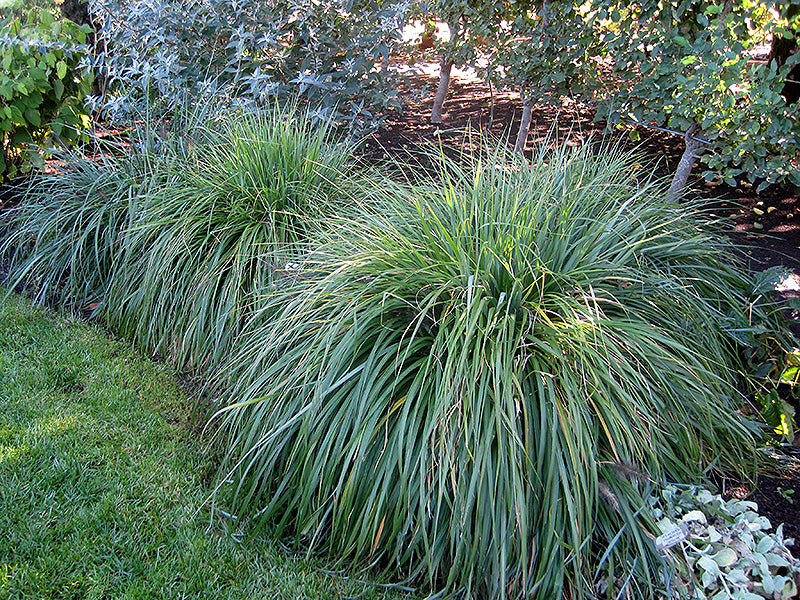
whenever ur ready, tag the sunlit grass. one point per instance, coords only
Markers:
(103, 483)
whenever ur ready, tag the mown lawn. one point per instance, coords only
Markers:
(103, 482)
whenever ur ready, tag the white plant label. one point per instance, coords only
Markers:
(671, 538)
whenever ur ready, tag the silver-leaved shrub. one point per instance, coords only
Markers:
(723, 549)
(332, 54)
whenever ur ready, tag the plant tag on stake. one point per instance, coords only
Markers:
(672, 538)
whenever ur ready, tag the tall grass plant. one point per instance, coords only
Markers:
(476, 382)
(228, 228)
(172, 238)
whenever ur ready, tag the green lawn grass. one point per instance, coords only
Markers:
(103, 482)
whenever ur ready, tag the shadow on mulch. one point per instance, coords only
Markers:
(777, 496)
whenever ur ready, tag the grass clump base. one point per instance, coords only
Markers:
(477, 381)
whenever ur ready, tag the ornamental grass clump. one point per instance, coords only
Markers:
(474, 383)
(63, 240)
(242, 207)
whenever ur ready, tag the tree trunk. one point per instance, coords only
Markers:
(77, 11)
(445, 67)
(782, 48)
(488, 126)
(684, 169)
(522, 134)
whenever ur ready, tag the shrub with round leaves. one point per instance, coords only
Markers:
(727, 549)
(473, 382)
(42, 88)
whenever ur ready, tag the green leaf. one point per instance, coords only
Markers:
(790, 375)
(61, 69)
(46, 18)
(765, 544)
(17, 115)
(58, 89)
(710, 570)
(33, 117)
(726, 557)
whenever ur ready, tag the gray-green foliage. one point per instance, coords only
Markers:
(63, 239)
(729, 551)
(472, 382)
(334, 53)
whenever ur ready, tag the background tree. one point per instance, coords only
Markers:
(78, 12)
(473, 25)
(784, 47)
(689, 67)
(548, 49)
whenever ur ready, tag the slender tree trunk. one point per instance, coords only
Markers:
(445, 66)
(522, 134)
(782, 49)
(693, 150)
(491, 107)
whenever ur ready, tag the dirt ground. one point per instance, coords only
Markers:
(764, 229)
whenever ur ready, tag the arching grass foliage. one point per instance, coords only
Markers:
(472, 380)
(475, 382)
(170, 239)
(240, 210)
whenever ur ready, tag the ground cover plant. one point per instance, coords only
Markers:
(102, 484)
(728, 548)
(477, 381)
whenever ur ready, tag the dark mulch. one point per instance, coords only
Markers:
(777, 495)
